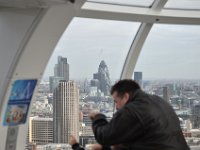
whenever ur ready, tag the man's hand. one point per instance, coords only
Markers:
(72, 140)
(95, 147)
(93, 114)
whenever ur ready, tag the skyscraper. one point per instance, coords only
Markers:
(138, 78)
(56, 70)
(66, 111)
(53, 82)
(62, 68)
(195, 117)
(166, 93)
(103, 77)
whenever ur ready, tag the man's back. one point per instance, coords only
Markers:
(159, 124)
(146, 122)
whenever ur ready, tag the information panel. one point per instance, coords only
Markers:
(19, 102)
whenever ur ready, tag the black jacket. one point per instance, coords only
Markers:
(76, 146)
(146, 122)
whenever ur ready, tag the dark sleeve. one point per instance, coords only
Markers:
(124, 127)
(106, 148)
(77, 147)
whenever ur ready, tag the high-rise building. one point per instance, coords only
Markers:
(56, 70)
(40, 130)
(172, 88)
(195, 118)
(103, 77)
(166, 93)
(138, 78)
(53, 82)
(66, 111)
(94, 83)
(62, 68)
(86, 135)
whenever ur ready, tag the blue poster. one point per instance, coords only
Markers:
(22, 90)
(15, 114)
(19, 102)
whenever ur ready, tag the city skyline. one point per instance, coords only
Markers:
(170, 51)
(183, 96)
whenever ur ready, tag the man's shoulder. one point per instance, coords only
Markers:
(145, 104)
(143, 98)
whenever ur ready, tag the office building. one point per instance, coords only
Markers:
(62, 68)
(40, 130)
(66, 111)
(53, 82)
(103, 77)
(195, 118)
(166, 93)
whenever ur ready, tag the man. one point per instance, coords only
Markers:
(142, 122)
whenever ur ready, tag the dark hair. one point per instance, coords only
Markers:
(125, 86)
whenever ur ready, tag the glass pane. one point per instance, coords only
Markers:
(169, 64)
(90, 54)
(90, 41)
(145, 3)
(183, 4)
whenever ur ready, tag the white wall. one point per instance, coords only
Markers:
(14, 25)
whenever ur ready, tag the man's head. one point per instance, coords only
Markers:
(122, 91)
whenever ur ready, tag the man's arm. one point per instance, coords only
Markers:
(75, 145)
(123, 128)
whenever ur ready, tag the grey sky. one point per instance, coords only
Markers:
(88, 41)
(170, 51)
(183, 4)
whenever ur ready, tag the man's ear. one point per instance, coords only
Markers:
(126, 97)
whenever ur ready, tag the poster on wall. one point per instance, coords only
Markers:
(19, 101)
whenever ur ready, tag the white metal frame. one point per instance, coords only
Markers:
(40, 41)
(34, 52)
(139, 14)
(138, 42)
(147, 16)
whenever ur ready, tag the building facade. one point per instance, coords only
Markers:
(66, 112)
(40, 130)
(53, 82)
(62, 68)
(101, 79)
(166, 94)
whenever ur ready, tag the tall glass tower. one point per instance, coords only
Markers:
(65, 111)
(103, 77)
(62, 68)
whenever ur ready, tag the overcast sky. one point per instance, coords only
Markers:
(170, 51)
